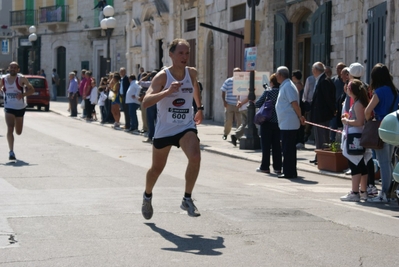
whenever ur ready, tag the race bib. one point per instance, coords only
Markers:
(11, 97)
(178, 115)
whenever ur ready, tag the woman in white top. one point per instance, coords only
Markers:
(353, 122)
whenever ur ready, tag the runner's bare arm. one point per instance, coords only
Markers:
(29, 88)
(155, 93)
(199, 116)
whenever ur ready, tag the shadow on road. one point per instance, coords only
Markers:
(194, 244)
(17, 163)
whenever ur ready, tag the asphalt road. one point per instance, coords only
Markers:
(74, 199)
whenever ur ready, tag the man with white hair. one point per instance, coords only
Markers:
(73, 94)
(323, 105)
(289, 120)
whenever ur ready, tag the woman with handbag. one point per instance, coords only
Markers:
(357, 156)
(384, 101)
(269, 131)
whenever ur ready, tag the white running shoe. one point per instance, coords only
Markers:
(352, 197)
(372, 191)
(381, 198)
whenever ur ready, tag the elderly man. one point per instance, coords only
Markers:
(323, 105)
(231, 111)
(73, 94)
(289, 120)
(339, 84)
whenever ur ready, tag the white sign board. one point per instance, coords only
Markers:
(250, 58)
(241, 82)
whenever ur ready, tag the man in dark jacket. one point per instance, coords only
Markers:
(323, 105)
(123, 90)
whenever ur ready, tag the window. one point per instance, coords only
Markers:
(238, 12)
(190, 25)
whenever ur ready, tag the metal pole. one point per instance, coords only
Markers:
(251, 139)
(109, 31)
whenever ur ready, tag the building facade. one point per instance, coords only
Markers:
(294, 33)
(6, 34)
(69, 38)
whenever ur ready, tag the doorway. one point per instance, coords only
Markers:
(304, 45)
(61, 70)
(304, 64)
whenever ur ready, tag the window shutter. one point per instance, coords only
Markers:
(321, 34)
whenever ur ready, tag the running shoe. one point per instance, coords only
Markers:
(187, 204)
(12, 156)
(352, 197)
(372, 191)
(363, 196)
(146, 209)
(381, 198)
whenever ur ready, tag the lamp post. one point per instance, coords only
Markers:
(32, 38)
(108, 24)
(251, 139)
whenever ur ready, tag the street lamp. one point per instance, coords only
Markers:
(32, 38)
(251, 139)
(108, 24)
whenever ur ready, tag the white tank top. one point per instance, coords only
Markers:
(175, 112)
(10, 94)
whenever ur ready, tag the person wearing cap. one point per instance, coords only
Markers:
(356, 71)
(339, 84)
(323, 105)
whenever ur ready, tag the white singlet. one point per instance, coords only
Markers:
(175, 112)
(10, 94)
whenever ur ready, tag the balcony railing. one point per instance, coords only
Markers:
(23, 17)
(288, 2)
(54, 14)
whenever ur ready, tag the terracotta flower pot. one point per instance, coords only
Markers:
(328, 160)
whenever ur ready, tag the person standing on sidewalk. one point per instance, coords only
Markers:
(122, 92)
(231, 111)
(173, 90)
(323, 105)
(289, 119)
(82, 85)
(269, 130)
(13, 85)
(242, 108)
(55, 81)
(132, 99)
(73, 94)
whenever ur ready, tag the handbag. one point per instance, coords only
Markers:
(353, 146)
(370, 137)
(264, 113)
(111, 95)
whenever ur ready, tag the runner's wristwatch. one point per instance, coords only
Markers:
(201, 107)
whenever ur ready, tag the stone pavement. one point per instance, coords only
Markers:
(210, 134)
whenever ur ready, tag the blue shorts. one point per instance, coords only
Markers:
(15, 112)
(174, 140)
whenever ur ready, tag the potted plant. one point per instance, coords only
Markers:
(331, 158)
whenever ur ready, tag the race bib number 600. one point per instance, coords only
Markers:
(178, 116)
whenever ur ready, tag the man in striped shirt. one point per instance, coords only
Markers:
(231, 110)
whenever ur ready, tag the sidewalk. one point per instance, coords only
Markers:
(210, 134)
